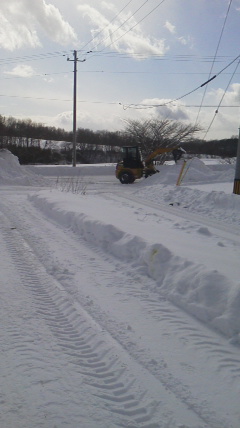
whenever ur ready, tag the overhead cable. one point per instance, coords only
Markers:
(35, 57)
(185, 95)
(113, 54)
(221, 100)
(214, 59)
(103, 29)
(106, 102)
(139, 22)
(130, 29)
(120, 26)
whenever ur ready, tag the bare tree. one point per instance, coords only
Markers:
(154, 133)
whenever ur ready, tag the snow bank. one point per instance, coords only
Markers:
(196, 171)
(207, 294)
(69, 171)
(216, 205)
(11, 172)
(161, 188)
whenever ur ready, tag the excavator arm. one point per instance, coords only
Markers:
(158, 151)
(176, 151)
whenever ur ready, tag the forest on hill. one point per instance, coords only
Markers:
(36, 143)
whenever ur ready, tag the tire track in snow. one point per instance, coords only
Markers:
(216, 347)
(62, 326)
(217, 350)
(172, 315)
(109, 375)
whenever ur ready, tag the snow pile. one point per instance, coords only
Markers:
(216, 205)
(11, 172)
(161, 188)
(206, 293)
(195, 171)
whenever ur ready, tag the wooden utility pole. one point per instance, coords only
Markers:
(75, 60)
(236, 186)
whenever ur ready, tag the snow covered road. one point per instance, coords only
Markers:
(89, 340)
(119, 304)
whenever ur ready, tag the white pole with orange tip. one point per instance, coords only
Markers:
(179, 180)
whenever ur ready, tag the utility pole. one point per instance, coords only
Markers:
(75, 60)
(236, 186)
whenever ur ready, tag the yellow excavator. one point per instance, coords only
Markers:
(132, 167)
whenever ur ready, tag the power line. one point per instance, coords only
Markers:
(34, 98)
(214, 59)
(116, 103)
(59, 99)
(220, 102)
(184, 58)
(113, 54)
(130, 29)
(106, 72)
(168, 102)
(186, 94)
(103, 29)
(120, 26)
(159, 4)
(146, 72)
(35, 75)
(36, 57)
(65, 53)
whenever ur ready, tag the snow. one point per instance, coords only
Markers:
(11, 172)
(141, 279)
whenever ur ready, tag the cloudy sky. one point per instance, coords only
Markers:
(137, 59)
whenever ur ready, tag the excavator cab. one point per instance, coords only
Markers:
(131, 166)
(132, 157)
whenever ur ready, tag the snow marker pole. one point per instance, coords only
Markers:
(179, 180)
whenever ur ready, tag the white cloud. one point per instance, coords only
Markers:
(164, 109)
(225, 122)
(123, 34)
(51, 20)
(170, 27)
(181, 39)
(90, 118)
(230, 97)
(96, 17)
(108, 6)
(233, 95)
(21, 71)
(14, 34)
(22, 20)
(64, 119)
(238, 7)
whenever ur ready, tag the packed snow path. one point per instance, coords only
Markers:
(88, 341)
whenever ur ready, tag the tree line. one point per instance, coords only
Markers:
(36, 143)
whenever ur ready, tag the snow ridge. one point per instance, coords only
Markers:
(207, 294)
